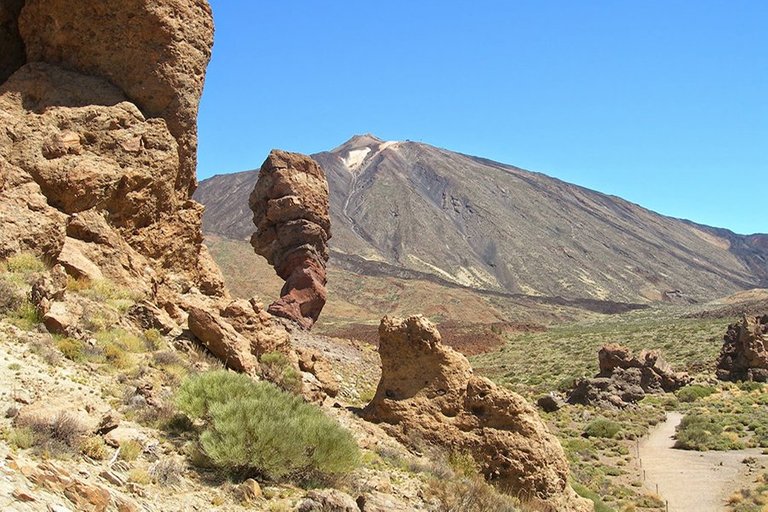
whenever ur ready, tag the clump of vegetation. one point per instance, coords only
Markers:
(130, 450)
(58, 436)
(602, 427)
(277, 369)
(694, 392)
(470, 495)
(584, 492)
(10, 298)
(105, 291)
(702, 431)
(94, 447)
(72, 349)
(23, 268)
(254, 428)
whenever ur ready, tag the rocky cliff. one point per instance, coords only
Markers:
(97, 156)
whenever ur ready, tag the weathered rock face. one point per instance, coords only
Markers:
(290, 211)
(155, 51)
(744, 355)
(625, 378)
(97, 154)
(428, 391)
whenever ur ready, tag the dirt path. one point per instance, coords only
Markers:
(692, 481)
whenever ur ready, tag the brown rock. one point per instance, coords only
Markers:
(290, 211)
(223, 341)
(744, 355)
(313, 362)
(625, 378)
(154, 51)
(97, 146)
(48, 288)
(428, 391)
(328, 500)
(250, 490)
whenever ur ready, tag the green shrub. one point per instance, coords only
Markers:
(585, 492)
(94, 447)
(73, 349)
(278, 369)
(602, 427)
(750, 385)
(127, 341)
(253, 427)
(699, 431)
(694, 392)
(24, 316)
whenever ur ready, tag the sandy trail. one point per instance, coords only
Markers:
(692, 481)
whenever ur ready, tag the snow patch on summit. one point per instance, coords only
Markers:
(355, 157)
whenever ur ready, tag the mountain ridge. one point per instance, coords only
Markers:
(493, 226)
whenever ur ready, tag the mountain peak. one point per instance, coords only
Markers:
(360, 141)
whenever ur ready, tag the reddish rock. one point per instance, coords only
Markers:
(428, 391)
(290, 211)
(744, 355)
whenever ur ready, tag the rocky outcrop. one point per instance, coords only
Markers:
(97, 154)
(428, 391)
(744, 355)
(290, 211)
(625, 378)
(155, 51)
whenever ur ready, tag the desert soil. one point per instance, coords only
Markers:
(692, 481)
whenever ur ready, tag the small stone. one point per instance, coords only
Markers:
(24, 496)
(250, 490)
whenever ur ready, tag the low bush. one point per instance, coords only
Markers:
(10, 298)
(470, 495)
(694, 392)
(72, 349)
(699, 431)
(254, 428)
(95, 448)
(602, 427)
(278, 369)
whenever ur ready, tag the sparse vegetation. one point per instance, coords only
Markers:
(94, 447)
(602, 427)
(694, 392)
(278, 369)
(130, 450)
(253, 427)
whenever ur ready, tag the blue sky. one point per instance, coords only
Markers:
(664, 103)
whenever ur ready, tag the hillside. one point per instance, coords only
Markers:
(412, 210)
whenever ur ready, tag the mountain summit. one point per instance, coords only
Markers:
(407, 208)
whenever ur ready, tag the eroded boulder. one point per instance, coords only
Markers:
(428, 391)
(744, 355)
(290, 211)
(625, 378)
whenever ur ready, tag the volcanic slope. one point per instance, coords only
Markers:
(412, 210)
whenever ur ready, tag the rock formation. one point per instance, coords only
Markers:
(625, 378)
(97, 154)
(744, 355)
(290, 211)
(428, 391)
